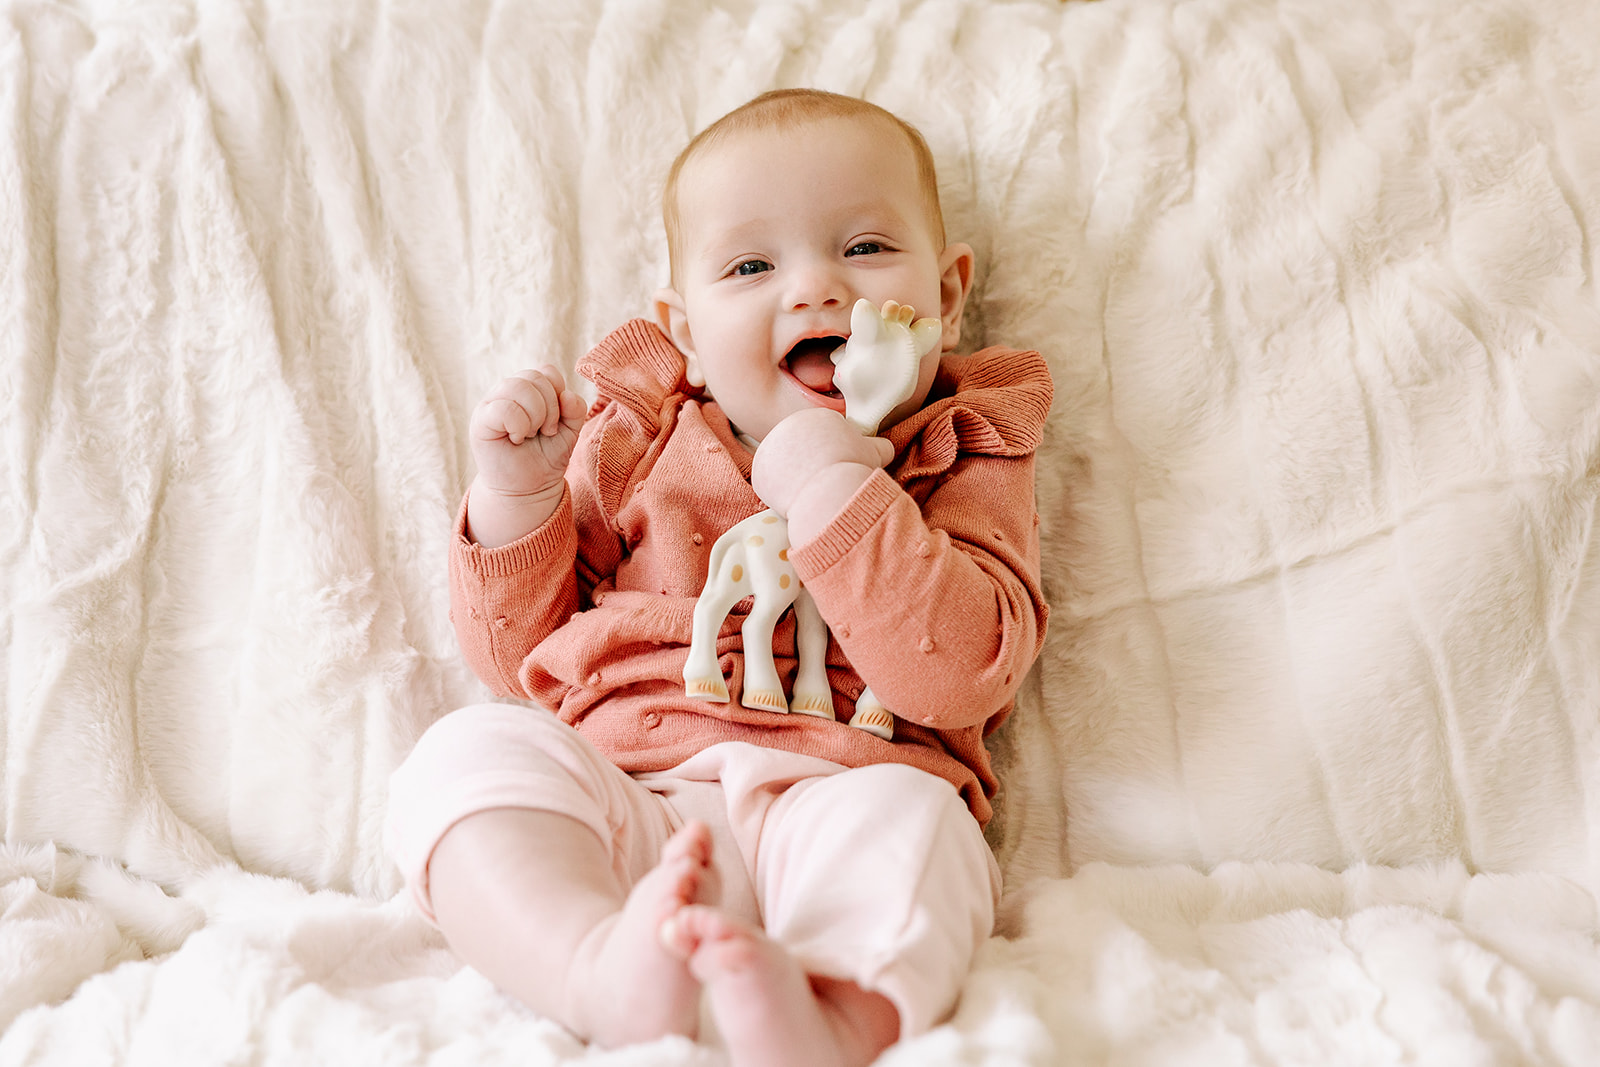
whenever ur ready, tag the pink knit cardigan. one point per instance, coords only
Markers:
(929, 577)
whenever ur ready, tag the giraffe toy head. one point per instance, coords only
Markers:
(877, 368)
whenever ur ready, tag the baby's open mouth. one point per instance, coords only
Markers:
(811, 363)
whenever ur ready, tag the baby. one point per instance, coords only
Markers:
(630, 851)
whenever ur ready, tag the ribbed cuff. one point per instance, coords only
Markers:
(533, 549)
(864, 508)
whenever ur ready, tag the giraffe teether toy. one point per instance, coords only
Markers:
(875, 370)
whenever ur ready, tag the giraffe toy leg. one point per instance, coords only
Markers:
(872, 716)
(726, 582)
(702, 674)
(812, 693)
(763, 690)
(752, 559)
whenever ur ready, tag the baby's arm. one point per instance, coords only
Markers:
(508, 590)
(938, 606)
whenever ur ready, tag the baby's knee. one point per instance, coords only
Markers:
(897, 795)
(488, 740)
(478, 758)
(866, 815)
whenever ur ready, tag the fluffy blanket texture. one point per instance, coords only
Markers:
(1310, 769)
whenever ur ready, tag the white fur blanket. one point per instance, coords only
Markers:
(1310, 769)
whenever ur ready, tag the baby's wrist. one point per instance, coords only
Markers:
(496, 517)
(822, 496)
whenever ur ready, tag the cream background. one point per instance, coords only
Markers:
(1317, 285)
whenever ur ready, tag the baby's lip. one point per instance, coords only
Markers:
(809, 364)
(833, 400)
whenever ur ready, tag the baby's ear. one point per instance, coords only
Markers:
(674, 322)
(955, 282)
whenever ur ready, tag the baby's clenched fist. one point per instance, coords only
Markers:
(806, 445)
(523, 431)
(522, 436)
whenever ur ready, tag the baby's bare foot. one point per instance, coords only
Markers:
(629, 986)
(765, 1005)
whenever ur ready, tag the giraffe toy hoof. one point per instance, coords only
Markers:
(713, 689)
(765, 700)
(874, 720)
(816, 704)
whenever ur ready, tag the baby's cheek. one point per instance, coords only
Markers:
(926, 373)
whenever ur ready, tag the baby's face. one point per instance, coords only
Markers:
(780, 233)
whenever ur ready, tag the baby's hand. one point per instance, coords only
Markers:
(523, 431)
(809, 448)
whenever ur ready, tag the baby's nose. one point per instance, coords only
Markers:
(814, 286)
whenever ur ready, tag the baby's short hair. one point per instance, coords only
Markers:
(783, 109)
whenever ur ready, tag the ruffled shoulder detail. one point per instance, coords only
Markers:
(993, 402)
(638, 367)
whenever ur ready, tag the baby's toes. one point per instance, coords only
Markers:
(691, 928)
(692, 841)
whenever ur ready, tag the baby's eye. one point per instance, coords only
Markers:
(864, 248)
(752, 266)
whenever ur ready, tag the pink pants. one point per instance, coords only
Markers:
(875, 874)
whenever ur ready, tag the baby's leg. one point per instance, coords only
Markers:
(530, 899)
(549, 869)
(769, 1011)
(876, 888)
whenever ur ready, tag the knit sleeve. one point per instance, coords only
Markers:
(505, 600)
(938, 608)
